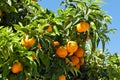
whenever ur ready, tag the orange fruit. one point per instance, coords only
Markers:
(55, 43)
(23, 42)
(0, 13)
(62, 77)
(61, 52)
(29, 42)
(75, 60)
(82, 26)
(72, 46)
(78, 66)
(79, 52)
(49, 29)
(16, 67)
(38, 46)
(81, 60)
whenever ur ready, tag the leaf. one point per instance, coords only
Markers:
(25, 30)
(6, 70)
(56, 30)
(12, 8)
(9, 2)
(68, 26)
(45, 60)
(17, 27)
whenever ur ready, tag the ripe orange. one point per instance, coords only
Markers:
(78, 66)
(49, 29)
(0, 13)
(81, 60)
(29, 42)
(16, 67)
(61, 52)
(38, 46)
(79, 52)
(75, 60)
(72, 46)
(82, 26)
(55, 43)
(62, 77)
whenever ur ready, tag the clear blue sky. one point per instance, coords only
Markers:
(111, 7)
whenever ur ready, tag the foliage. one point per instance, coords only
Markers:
(25, 17)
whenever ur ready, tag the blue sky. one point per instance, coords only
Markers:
(111, 7)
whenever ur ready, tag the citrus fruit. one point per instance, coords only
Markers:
(79, 52)
(82, 26)
(78, 66)
(61, 52)
(75, 60)
(38, 46)
(55, 43)
(49, 29)
(16, 67)
(72, 46)
(62, 77)
(29, 42)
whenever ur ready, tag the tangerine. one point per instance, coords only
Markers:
(61, 52)
(16, 67)
(75, 60)
(72, 46)
(82, 26)
(79, 52)
(62, 77)
(49, 29)
(55, 43)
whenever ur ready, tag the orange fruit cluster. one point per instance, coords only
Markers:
(29, 42)
(77, 58)
(16, 67)
(71, 47)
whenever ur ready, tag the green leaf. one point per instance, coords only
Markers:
(56, 30)
(68, 26)
(9, 2)
(93, 25)
(6, 70)
(25, 30)
(45, 60)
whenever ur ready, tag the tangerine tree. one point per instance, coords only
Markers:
(37, 44)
